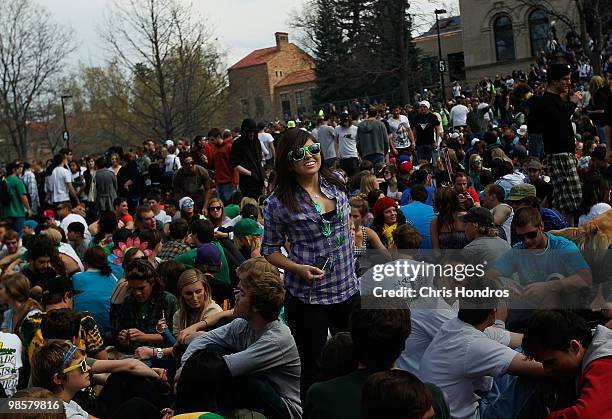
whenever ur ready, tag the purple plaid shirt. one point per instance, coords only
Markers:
(304, 231)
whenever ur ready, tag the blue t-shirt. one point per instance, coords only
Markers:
(96, 297)
(116, 268)
(560, 257)
(419, 215)
(406, 195)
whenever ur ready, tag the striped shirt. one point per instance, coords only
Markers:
(304, 231)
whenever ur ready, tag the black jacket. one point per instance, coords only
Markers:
(551, 117)
(248, 155)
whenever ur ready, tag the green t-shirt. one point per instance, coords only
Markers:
(16, 189)
(188, 260)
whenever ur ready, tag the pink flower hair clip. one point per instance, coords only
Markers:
(130, 244)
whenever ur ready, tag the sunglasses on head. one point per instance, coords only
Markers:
(300, 153)
(82, 365)
(530, 235)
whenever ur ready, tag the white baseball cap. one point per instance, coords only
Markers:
(425, 103)
(168, 143)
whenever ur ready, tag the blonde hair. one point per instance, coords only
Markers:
(250, 242)
(262, 282)
(596, 83)
(17, 287)
(187, 315)
(368, 184)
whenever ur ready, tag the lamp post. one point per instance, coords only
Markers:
(66, 136)
(441, 63)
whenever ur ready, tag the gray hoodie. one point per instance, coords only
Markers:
(372, 138)
(600, 347)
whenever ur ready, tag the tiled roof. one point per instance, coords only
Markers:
(259, 56)
(297, 77)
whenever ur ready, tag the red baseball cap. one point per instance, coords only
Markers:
(406, 167)
(48, 213)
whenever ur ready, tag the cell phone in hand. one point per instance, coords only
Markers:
(321, 262)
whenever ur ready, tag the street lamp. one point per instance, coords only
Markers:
(66, 136)
(441, 63)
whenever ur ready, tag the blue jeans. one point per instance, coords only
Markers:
(374, 158)
(512, 397)
(17, 223)
(425, 152)
(536, 146)
(225, 191)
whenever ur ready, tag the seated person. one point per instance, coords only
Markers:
(565, 346)
(209, 261)
(378, 337)
(144, 306)
(259, 353)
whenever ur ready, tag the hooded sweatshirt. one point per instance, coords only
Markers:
(247, 153)
(372, 138)
(595, 397)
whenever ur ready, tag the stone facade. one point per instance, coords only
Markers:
(479, 18)
(253, 80)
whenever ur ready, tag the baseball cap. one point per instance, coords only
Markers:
(168, 143)
(482, 106)
(406, 167)
(247, 227)
(521, 191)
(185, 202)
(522, 130)
(479, 215)
(59, 285)
(31, 223)
(425, 103)
(291, 124)
(208, 258)
(48, 213)
(557, 71)
(474, 141)
(534, 164)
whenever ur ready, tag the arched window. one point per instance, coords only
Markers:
(504, 38)
(538, 30)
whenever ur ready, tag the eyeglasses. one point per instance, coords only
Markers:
(187, 204)
(300, 153)
(530, 235)
(189, 163)
(215, 208)
(82, 365)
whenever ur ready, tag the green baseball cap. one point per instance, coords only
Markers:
(247, 227)
(521, 191)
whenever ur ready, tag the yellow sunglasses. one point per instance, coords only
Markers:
(82, 365)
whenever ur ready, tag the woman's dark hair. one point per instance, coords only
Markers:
(205, 378)
(373, 197)
(169, 272)
(107, 225)
(142, 269)
(249, 211)
(595, 190)
(286, 184)
(395, 394)
(447, 204)
(338, 357)
(95, 257)
(121, 236)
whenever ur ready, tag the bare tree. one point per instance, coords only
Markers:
(175, 80)
(32, 51)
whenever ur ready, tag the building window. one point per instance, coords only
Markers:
(259, 107)
(456, 66)
(244, 107)
(504, 38)
(299, 102)
(285, 105)
(538, 30)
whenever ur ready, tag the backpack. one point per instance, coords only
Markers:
(5, 198)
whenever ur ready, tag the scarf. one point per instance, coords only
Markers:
(387, 232)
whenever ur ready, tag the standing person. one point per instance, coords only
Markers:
(600, 110)
(224, 172)
(427, 130)
(90, 184)
(326, 135)
(29, 178)
(18, 206)
(309, 209)
(267, 145)
(372, 138)
(246, 158)
(59, 184)
(551, 114)
(130, 181)
(192, 180)
(106, 185)
(346, 133)
(403, 138)
(458, 115)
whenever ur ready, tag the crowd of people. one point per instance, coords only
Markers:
(233, 274)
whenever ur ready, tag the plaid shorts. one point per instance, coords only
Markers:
(567, 191)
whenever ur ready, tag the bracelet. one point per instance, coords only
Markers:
(206, 325)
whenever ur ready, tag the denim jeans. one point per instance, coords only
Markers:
(536, 146)
(374, 158)
(225, 191)
(512, 397)
(17, 223)
(425, 152)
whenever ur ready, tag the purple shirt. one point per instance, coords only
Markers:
(304, 230)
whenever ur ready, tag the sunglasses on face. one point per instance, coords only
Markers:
(219, 208)
(300, 153)
(530, 235)
(82, 365)
(187, 204)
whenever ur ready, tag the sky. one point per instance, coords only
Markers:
(240, 26)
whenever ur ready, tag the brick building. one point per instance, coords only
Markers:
(272, 83)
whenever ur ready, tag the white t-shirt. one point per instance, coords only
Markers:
(72, 218)
(55, 185)
(461, 360)
(456, 90)
(347, 138)
(172, 163)
(327, 137)
(458, 115)
(507, 224)
(266, 141)
(10, 362)
(67, 250)
(595, 210)
(400, 128)
(163, 218)
(74, 411)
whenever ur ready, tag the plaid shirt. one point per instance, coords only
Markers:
(172, 249)
(304, 230)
